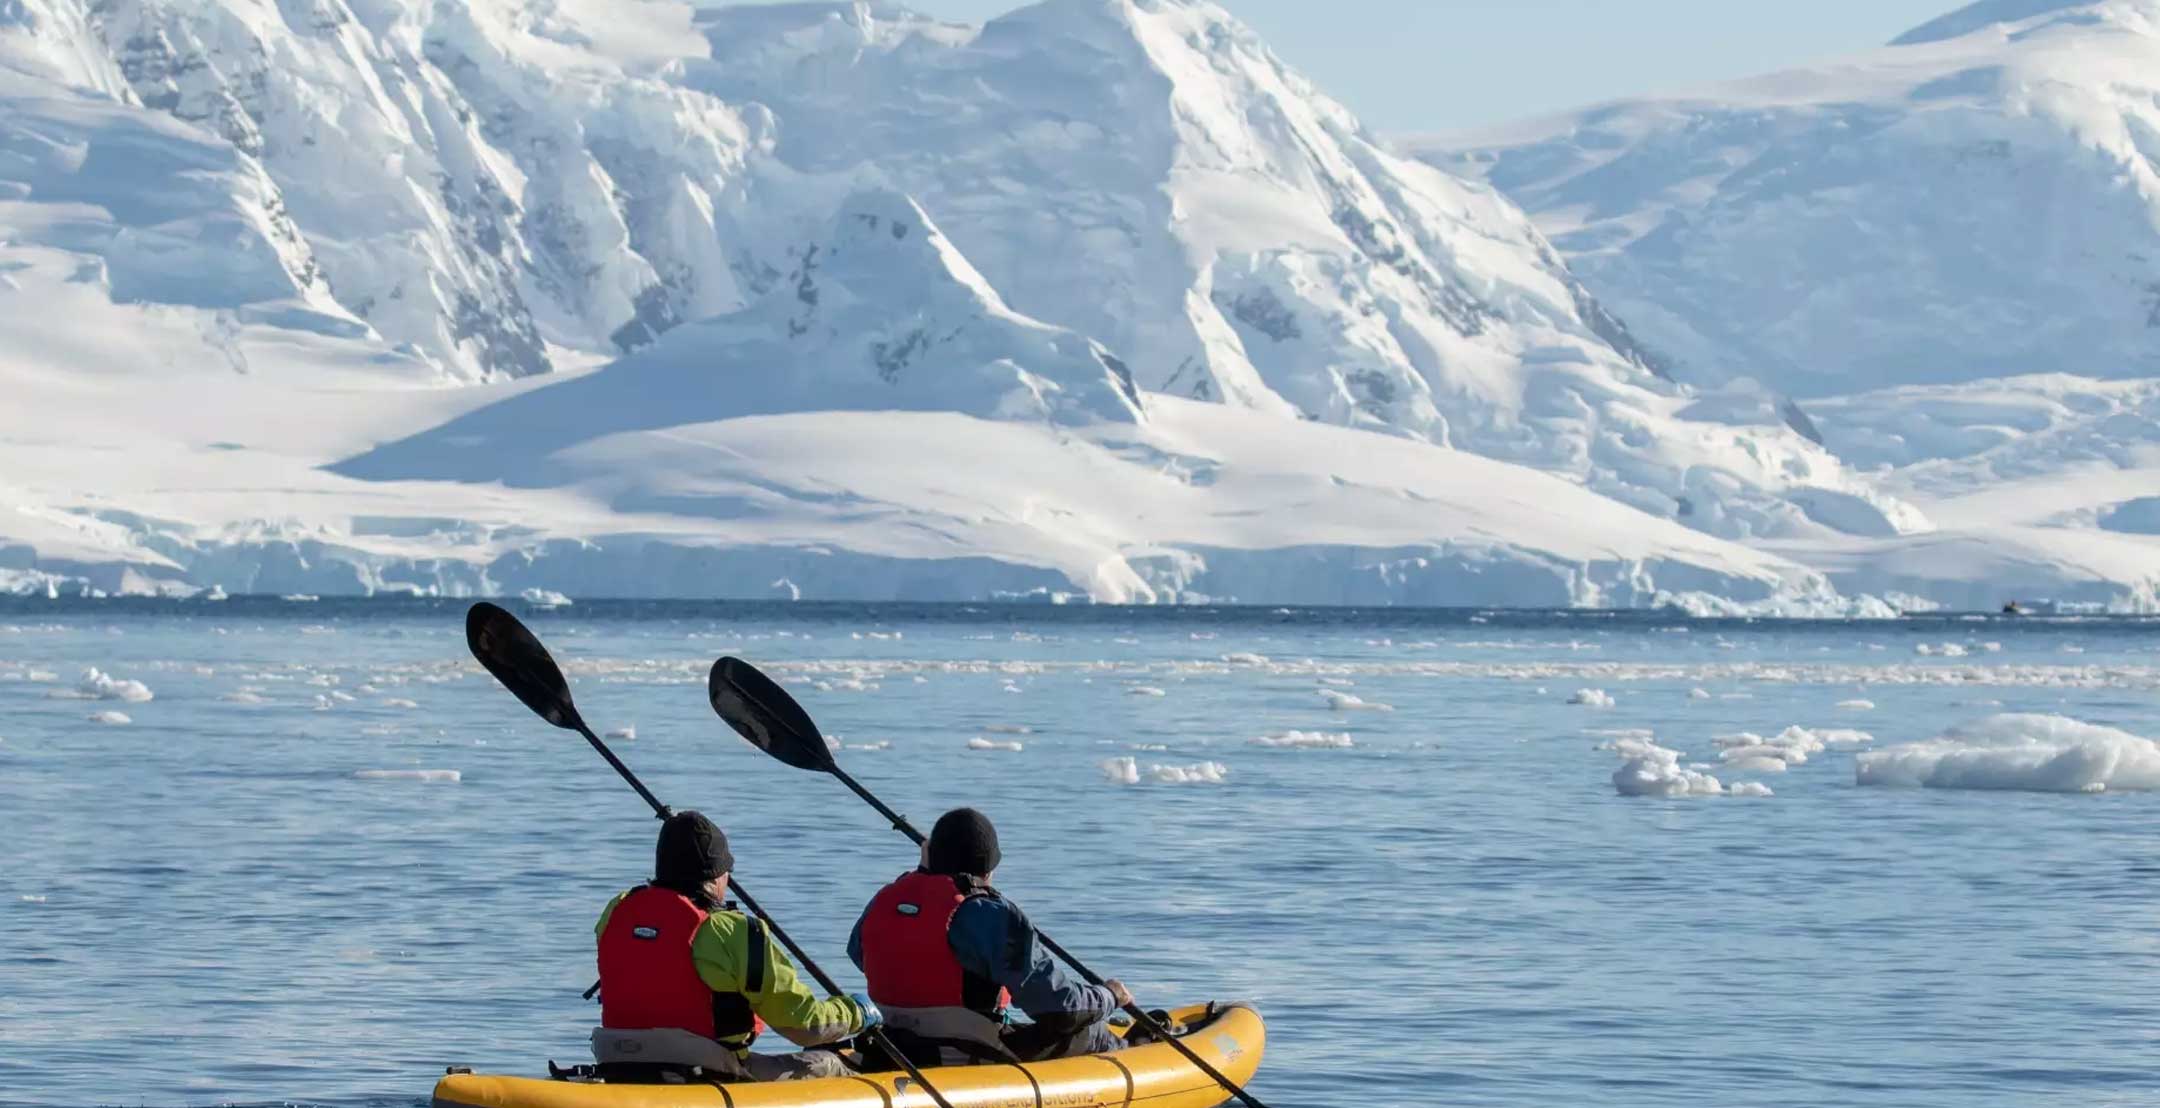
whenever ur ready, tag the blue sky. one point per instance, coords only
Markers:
(1420, 65)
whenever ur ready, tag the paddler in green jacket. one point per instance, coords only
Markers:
(686, 981)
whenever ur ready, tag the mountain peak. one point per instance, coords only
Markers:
(1988, 13)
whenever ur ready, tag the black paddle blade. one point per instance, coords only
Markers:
(517, 659)
(765, 714)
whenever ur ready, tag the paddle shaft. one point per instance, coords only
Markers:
(661, 810)
(900, 823)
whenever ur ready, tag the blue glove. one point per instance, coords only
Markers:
(871, 1017)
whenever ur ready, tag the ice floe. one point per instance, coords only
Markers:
(626, 733)
(2023, 752)
(435, 776)
(110, 718)
(1146, 690)
(243, 696)
(544, 598)
(992, 744)
(1856, 705)
(1592, 698)
(96, 684)
(1351, 702)
(1127, 771)
(1305, 740)
(401, 702)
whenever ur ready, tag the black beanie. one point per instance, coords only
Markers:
(963, 842)
(691, 852)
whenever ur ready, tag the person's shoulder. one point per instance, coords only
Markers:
(988, 904)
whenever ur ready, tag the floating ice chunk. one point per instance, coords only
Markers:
(300, 598)
(1305, 740)
(96, 684)
(1009, 729)
(621, 733)
(324, 703)
(1147, 747)
(1751, 788)
(992, 744)
(1126, 771)
(1145, 690)
(33, 898)
(401, 702)
(1749, 762)
(1653, 770)
(41, 676)
(2026, 752)
(1857, 705)
(1243, 658)
(1991, 647)
(435, 776)
(1945, 650)
(881, 744)
(1199, 773)
(1592, 698)
(544, 598)
(1339, 682)
(110, 718)
(244, 696)
(1698, 694)
(1351, 702)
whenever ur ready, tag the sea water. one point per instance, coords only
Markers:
(288, 851)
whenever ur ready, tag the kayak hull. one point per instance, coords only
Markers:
(1231, 1038)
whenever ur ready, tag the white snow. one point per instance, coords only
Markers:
(545, 598)
(992, 744)
(1856, 705)
(432, 776)
(1750, 788)
(1592, 698)
(625, 733)
(2034, 753)
(1986, 365)
(110, 717)
(1148, 369)
(1305, 740)
(1120, 771)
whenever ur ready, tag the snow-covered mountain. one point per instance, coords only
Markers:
(1945, 249)
(1980, 198)
(418, 226)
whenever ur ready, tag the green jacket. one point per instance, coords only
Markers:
(721, 952)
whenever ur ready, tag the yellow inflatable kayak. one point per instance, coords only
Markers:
(1230, 1037)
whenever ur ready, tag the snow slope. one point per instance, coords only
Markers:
(1941, 248)
(315, 295)
(1015, 462)
(1979, 199)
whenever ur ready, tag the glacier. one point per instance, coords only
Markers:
(1098, 300)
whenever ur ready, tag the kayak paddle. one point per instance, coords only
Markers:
(511, 652)
(761, 711)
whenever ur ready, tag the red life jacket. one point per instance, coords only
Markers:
(907, 958)
(647, 977)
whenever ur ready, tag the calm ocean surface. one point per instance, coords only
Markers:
(227, 899)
